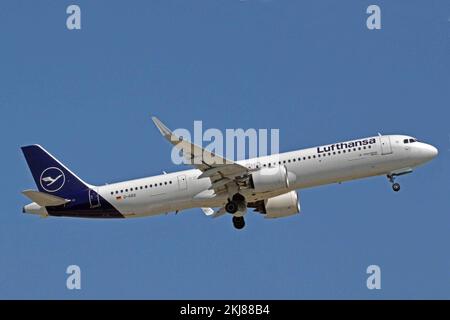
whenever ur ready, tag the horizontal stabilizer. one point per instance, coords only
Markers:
(44, 199)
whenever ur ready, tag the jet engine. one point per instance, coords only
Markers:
(270, 179)
(283, 205)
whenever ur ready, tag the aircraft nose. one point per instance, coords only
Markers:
(430, 151)
(435, 151)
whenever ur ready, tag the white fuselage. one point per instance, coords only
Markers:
(307, 168)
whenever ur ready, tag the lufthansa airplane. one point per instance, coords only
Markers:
(267, 184)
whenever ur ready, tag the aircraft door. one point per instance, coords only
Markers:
(182, 183)
(94, 199)
(386, 147)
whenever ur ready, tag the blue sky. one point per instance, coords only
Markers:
(311, 69)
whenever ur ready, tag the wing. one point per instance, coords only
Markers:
(221, 171)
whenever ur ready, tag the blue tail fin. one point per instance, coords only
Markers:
(50, 175)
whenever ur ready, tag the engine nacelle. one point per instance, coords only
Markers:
(270, 179)
(283, 205)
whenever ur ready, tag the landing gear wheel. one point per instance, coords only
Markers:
(396, 187)
(238, 222)
(231, 207)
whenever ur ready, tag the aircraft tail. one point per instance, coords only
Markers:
(50, 175)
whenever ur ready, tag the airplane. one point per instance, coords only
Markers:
(265, 184)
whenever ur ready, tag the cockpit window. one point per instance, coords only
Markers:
(411, 140)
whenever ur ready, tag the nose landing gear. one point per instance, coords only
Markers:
(395, 185)
(391, 176)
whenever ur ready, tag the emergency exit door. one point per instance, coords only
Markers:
(182, 183)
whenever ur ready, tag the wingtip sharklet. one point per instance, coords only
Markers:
(161, 126)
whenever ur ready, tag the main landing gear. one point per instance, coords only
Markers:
(231, 207)
(238, 222)
(395, 185)
(237, 206)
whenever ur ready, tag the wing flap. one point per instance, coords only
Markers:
(214, 214)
